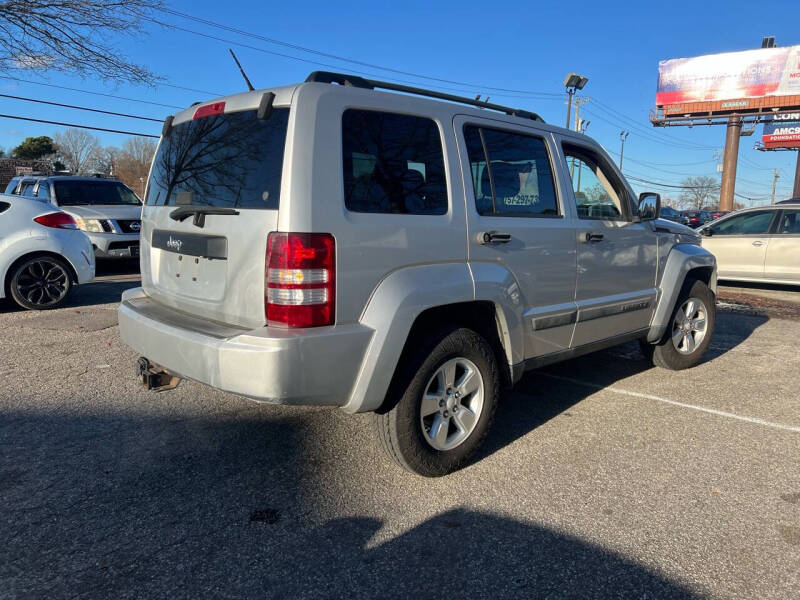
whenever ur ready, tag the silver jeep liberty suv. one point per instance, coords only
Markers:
(327, 243)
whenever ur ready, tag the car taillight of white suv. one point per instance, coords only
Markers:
(300, 279)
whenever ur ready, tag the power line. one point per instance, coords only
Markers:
(115, 96)
(79, 126)
(97, 110)
(343, 58)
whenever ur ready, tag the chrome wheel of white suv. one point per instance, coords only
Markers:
(689, 325)
(451, 403)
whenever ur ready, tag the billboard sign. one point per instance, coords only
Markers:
(729, 79)
(782, 131)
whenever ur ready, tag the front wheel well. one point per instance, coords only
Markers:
(7, 283)
(703, 274)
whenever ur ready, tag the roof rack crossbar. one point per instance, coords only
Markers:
(371, 84)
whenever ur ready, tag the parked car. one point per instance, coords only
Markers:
(757, 244)
(696, 218)
(673, 215)
(43, 254)
(790, 201)
(106, 209)
(314, 252)
(718, 214)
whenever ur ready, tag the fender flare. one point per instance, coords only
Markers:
(400, 298)
(682, 258)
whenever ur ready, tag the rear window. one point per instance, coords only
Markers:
(392, 164)
(82, 192)
(227, 160)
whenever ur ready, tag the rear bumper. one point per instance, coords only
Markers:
(313, 366)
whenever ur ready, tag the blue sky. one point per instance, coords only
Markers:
(527, 46)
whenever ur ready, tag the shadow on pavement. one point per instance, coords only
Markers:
(117, 506)
(537, 399)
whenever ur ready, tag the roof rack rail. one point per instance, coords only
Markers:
(371, 84)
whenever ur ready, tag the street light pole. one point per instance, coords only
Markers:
(570, 92)
(572, 83)
(623, 135)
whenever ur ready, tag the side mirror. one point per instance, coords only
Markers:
(649, 206)
(706, 231)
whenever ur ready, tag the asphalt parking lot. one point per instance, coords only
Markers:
(603, 477)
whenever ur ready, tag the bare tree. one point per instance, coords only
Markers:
(132, 163)
(698, 191)
(77, 149)
(73, 36)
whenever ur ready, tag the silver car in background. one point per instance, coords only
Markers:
(105, 209)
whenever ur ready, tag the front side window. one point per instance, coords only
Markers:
(598, 194)
(392, 163)
(43, 191)
(752, 223)
(27, 188)
(511, 173)
(790, 222)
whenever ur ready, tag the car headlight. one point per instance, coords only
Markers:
(90, 225)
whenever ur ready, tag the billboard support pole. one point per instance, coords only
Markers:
(729, 161)
(796, 189)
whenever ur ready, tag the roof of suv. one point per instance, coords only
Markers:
(344, 83)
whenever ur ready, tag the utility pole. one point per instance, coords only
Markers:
(623, 135)
(579, 101)
(774, 184)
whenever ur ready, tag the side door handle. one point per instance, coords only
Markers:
(758, 243)
(592, 236)
(493, 237)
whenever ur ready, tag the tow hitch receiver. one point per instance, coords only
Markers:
(154, 378)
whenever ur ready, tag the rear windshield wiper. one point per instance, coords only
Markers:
(199, 213)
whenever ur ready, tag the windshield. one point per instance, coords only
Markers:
(106, 193)
(228, 160)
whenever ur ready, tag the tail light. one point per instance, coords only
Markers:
(300, 279)
(59, 220)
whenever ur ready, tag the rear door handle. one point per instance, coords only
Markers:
(758, 243)
(493, 237)
(592, 236)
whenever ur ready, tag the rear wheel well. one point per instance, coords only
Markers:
(480, 316)
(7, 283)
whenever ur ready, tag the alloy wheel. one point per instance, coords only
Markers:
(43, 282)
(452, 403)
(689, 326)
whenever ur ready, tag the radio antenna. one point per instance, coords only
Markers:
(241, 70)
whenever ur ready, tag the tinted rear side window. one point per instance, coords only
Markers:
(392, 164)
(519, 179)
(229, 160)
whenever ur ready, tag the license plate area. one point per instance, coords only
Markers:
(190, 265)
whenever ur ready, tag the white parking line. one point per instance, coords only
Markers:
(713, 411)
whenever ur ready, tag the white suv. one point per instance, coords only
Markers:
(326, 243)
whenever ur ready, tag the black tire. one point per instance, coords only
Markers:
(664, 353)
(40, 282)
(400, 424)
